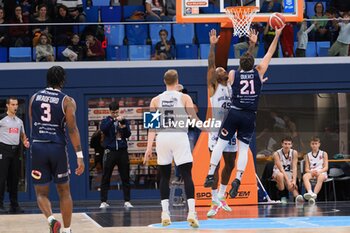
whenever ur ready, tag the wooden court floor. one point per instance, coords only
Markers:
(136, 220)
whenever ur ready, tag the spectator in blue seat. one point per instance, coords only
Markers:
(19, 35)
(42, 18)
(3, 30)
(163, 47)
(155, 11)
(94, 50)
(75, 9)
(76, 48)
(271, 6)
(321, 32)
(303, 39)
(171, 9)
(333, 29)
(341, 46)
(26, 7)
(64, 32)
(44, 49)
(269, 35)
(50, 7)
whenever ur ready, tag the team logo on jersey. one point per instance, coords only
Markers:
(151, 120)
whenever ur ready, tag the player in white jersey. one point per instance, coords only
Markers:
(316, 167)
(172, 143)
(285, 169)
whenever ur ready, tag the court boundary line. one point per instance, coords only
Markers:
(93, 221)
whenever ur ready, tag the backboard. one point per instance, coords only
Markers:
(206, 11)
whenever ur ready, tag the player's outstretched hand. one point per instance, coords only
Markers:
(253, 36)
(148, 154)
(212, 37)
(81, 167)
(279, 30)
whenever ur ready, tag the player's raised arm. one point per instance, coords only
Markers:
(264, 64)
(70, 108)
(253, 38)
(151, 133)
(211, 75)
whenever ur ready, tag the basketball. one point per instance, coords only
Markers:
(277, 20)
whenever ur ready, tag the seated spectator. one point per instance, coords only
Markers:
(303, 39)
(76, 48)
(320, 31)
(171, 9)
(19, 35)
(26, 7)
(163, 47)
(50, 7)
(269, 35)
(3, 30)
(44, 49)
(341, 46)
(42, 18)
(271, 6)
(333, 29)
(94, 50)
(155, 11)
(63, 33)
(75, 9)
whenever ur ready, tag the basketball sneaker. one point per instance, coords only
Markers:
(308, 195)
(311, 201)
(55, 226)
(127, 204)
(104, 205)
(314, 195)
(209, 181)
(234, 189)
(224, 205)
(215, 206)
(192, 219)
(299, 199)
(165, 219)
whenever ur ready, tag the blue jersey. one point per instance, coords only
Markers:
(246, 90)
(48, 116)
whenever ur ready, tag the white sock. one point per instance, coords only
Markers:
(214, 195)
(66, 230)
(242, 158)
(165, 205)
(50, 218)
(216, 154)
(222, 191)
(191, 205)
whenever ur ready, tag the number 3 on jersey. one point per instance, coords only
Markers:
(248, 87)
(47, 112)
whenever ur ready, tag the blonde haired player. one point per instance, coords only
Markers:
(172, 143)
(316, 167)
(285, 169)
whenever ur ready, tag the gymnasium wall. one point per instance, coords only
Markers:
(104, 79)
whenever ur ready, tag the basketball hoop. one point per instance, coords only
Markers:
(241, 17)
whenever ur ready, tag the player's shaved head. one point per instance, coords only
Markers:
(221, 75)
(171, 77)
(246, 62)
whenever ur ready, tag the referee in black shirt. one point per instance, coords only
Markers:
(11, 131)
(116, 130)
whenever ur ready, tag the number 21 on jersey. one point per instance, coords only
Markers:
(247, 88)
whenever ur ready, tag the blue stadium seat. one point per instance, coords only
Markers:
(59, 51)
(183, 33)
(20, 54)
(3, 54)
(137, 34)
(311, 49)
(34, 53)
(139, 52)
(322, 48)
(101, 2)
(204, 51)
(202, 31)
(261, 50)
(117, 53)
(211, 9)
(129, 11)
(189, 51)
(310, 8)
(111, 14)
(115, 34)
(154, 31)
(91, 14)
(231, 53)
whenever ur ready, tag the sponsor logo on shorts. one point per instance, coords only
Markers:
(63, 175)
(36, 174)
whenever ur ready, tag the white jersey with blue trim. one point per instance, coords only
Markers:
(316, 161)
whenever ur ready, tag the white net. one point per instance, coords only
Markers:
(241, 18)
